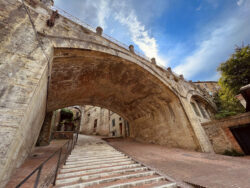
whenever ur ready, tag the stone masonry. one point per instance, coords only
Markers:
(47, 67)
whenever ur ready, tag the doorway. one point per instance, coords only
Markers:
(242, 135)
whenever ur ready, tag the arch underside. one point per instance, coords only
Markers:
(81, 77)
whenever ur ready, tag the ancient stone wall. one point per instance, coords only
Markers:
(92, 114)
(220, 135)
(107, 122)
(211, 87)
(117, 125)
(23, 86)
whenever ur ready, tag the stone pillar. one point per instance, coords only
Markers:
(45, 133)
(181, 77)
(199, 132)
(153, 61)
(99, 31)
(47, 2)
(131, 48)
(55, 121)
(82, 120)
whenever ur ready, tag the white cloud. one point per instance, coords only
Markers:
(240, 2)
(139, 35)
(103, 12)
(216, 48)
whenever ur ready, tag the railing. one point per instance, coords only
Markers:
(60, 160)
(91, 28)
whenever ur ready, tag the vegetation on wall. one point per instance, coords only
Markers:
(235, 73)
(66, 114)
(232, 153)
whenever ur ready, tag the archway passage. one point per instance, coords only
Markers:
(81, 77)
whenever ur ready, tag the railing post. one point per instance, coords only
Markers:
(57, 167)
(72, 144)
(38, 176)
(76, 137)
(67, 152)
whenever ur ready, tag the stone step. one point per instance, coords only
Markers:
(128, 181)
(97, 155)
(90, 150)
(99, 175)
(96, 160)
(94, 152)
(96, 166)
(100, 165)
(104, 169)
(167, 185)
(159, 184)
(82, 164)
(111, 179)
(138, 183)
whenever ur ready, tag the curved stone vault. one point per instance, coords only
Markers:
(81, 77)
(49, 61)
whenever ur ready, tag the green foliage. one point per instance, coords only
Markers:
(66, 114)
(233, 153)
(235, 73)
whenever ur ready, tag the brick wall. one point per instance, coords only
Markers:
(220, 135)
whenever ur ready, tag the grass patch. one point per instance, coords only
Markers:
(233, 153)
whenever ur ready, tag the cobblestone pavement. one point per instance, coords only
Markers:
(208, 170)
(93, 163)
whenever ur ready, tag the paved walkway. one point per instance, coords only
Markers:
(208, 170)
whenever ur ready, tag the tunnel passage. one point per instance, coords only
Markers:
(86, 77)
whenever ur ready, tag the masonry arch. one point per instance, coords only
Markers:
(98, 71)
(88, 77)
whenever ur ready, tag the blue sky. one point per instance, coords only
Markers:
(191, 36)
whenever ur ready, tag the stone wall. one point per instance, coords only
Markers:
(211, 87)
(46, 131)
(117, 125)
(104, 119)
(23, 86)
(220, 135)
(92, 114)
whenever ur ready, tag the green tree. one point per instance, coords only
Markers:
(235, 73)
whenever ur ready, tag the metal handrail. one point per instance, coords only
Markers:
(39, 168)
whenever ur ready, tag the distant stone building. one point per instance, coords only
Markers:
(118, 126)
(211, 87)
(100, 121)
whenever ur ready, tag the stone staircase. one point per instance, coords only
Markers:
(100, 165)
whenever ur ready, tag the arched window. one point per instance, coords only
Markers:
(200, 108)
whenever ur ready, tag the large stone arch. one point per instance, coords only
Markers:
(80, 77)
(30, 52)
